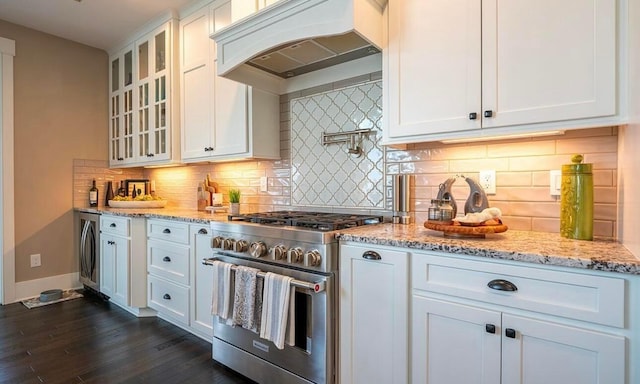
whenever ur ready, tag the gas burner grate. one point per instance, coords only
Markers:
(318, 221)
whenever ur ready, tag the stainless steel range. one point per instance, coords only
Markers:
(297, 244)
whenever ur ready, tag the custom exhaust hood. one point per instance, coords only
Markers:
(297, 44)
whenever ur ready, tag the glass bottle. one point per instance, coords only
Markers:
(576, 200)
(122, 192)
(93, 194)
(446, 211)
(434, 210)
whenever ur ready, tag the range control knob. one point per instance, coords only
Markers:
(217, 241)
(258, 249)
(228, 244)
(241, 246)
(313, 258)
(279, 252)
(296, 255)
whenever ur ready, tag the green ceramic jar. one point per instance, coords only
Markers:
(576, 202)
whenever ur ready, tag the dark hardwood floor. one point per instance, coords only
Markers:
(88, 340)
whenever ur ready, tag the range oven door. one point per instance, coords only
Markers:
(312, 358)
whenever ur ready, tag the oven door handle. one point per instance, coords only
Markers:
(315, 287)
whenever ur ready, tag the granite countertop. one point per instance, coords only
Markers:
(188, 215)
(531, 247)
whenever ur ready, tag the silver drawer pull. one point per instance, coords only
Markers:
(502, 285)
(371, 255)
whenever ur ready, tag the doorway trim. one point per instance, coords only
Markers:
(7, 224)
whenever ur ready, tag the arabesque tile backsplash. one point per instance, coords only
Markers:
(522, 172)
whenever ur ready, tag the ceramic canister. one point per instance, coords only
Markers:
(576, 202)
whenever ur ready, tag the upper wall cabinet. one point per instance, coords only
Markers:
(243, 8)
(221, 119)
(143, 114)
(455, 68)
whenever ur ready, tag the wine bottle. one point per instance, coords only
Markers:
(122, 192)
(93, 195)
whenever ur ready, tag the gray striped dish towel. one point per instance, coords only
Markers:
(275, 308)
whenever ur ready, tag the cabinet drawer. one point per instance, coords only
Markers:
(596, 299)
(174, 231)
(169, 299)
(168, 260)
(115, 225)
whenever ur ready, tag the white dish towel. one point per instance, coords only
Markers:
(277, 294)
(222, 289)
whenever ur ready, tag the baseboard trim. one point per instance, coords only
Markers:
(32, 288)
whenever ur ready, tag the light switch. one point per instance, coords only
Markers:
(555, 182)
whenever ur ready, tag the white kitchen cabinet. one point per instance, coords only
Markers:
(169, 268)
(123, 262)
(462, 331)
(221, 119)
(373, 315)
(457, 68)
(202, 283)
(243, 8)
(180, 286)
(144, 91)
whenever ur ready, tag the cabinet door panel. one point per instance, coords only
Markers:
(547, 353)
(107, 264)
(121, 278)
(373, 310)
(202, 319)
(197, 85)
(434, 64)
(230, 117)
(450, 343)
(548, 60)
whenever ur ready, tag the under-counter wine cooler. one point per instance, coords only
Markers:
(88, 251)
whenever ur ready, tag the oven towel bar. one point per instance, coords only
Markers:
(315, 287)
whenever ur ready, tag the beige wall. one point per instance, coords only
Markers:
(60, 114)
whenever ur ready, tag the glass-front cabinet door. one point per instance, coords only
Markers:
(152, 91)
(139, 100)
(121, 108)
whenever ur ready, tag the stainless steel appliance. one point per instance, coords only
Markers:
(88, 241)
(297, 244)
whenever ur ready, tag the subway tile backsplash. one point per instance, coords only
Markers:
(522, 172)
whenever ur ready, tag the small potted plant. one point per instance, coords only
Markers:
(234, 201)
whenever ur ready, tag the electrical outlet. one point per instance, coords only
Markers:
(555, 182)
(488, 181)
(35, 260)
(263, 184)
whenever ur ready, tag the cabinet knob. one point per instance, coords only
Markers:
(206, 149)
(166, 230)
(166, 296)
(371, 255)
(202, 231)
(490, 328)
(488, 113)
(112, 225)
(150, 155)
(510, 333)
(473, 116)
(111, 242)
(166, 259)
(502, 285)
(211, 148)
(120, 158)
